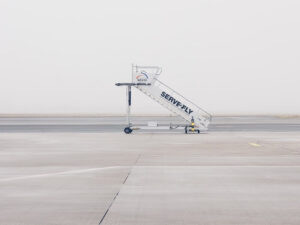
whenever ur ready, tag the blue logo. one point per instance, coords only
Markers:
(142, 77)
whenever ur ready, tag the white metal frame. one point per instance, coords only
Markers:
(154, 88)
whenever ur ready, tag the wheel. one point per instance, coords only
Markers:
(186, 129)
(198, 131)
(128, 130)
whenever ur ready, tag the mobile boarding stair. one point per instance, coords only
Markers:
(144, 78)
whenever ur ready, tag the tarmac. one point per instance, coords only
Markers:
(245, 172)
(104, 124)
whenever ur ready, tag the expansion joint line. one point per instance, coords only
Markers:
(116, 195)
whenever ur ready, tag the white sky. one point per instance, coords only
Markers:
(228, 56)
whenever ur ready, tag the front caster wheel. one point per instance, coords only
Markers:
(128, 130)
(186, 130)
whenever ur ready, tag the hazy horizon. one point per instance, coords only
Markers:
(229, 57)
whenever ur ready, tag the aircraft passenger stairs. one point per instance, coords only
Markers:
(145, 80)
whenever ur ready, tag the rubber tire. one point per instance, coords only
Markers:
(198, 131)
(127, 130)
(186, 130)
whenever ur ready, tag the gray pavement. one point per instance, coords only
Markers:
(117, 123)
(215, 178)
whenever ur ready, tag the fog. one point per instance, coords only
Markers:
(230, 57)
